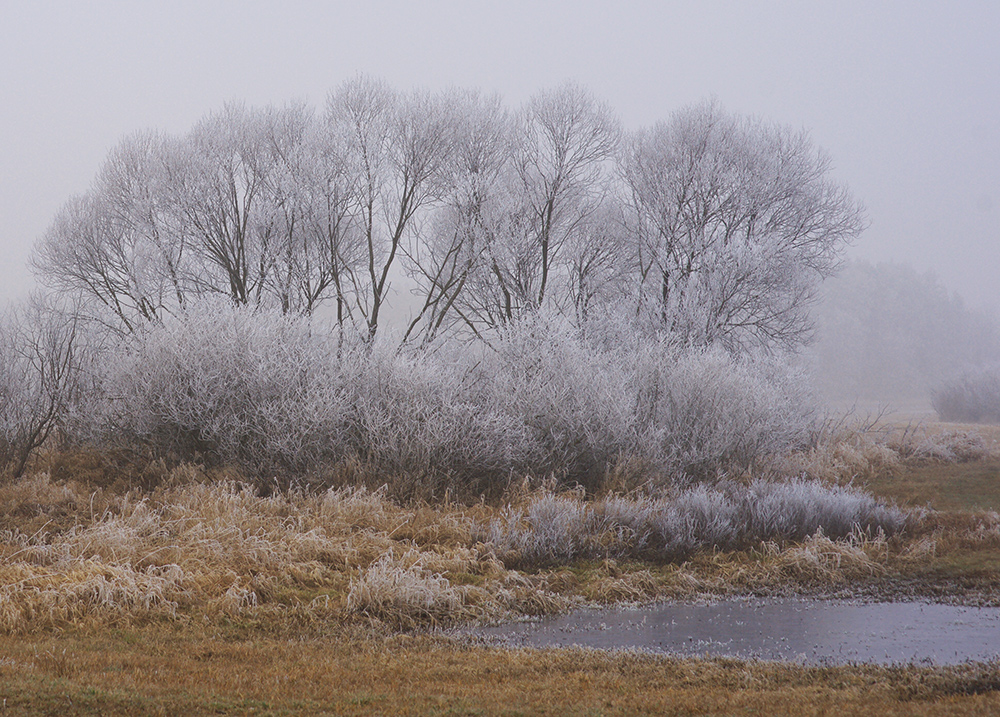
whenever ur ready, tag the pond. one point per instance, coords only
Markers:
(796, 630)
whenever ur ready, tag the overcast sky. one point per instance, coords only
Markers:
(904, 96)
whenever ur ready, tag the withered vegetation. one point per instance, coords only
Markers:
(137, 587)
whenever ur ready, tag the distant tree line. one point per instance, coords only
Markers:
(887, 332)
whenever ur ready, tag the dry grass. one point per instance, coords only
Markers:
(194, 670)
(220, 549)
(90, 551)
(882, 450)
(202, 597)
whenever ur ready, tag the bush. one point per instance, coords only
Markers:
(556, 528)
(42, 359)
(972, 397)
(226, 384)
(702, 411)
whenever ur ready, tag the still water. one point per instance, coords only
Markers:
(796, 630)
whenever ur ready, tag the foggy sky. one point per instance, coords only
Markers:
(904, 96)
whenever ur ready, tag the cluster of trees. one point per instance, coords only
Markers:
(971, 397)
(583, 295)
(713, 227)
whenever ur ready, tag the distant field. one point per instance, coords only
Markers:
(971, 486)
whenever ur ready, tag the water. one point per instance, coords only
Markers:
(794, 630)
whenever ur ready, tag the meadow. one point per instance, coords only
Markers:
(133, 587)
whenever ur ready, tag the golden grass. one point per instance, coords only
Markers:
(220, 549)
(202, 597)
(195, 546)
(190, 669)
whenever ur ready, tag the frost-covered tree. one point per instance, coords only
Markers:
(734, 222)
(119, 244)
(397, 148)
(711, 227)
(42, 357)
(522, 228)
(447, 255)
(252, 204)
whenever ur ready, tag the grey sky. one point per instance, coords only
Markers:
(905, 96)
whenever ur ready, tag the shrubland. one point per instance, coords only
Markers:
(290, 399)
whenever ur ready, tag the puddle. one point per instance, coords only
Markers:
(795, 630)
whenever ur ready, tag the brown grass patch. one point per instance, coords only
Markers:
(186, 669)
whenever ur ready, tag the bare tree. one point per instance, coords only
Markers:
(118, 244)
(735, 221)
(570, 137)
(397, 147)
(305, 212)
(446, 255)
(597, 267)
(716, 227)
(220, 195)
(40, 377)
(525, 216)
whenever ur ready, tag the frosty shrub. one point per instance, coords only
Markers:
(571, 398)
(430, 417)
(553, 528)
(972, 397)
(43, 355)
(702, 410)
(590, 398)
(268, 391)
(226, 383)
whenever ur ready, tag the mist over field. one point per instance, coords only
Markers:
(889, 336)
(332, 331)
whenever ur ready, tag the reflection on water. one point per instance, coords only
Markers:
(810, 631)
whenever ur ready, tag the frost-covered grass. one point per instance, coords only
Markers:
(73, 552)
(558, 528)
(201, 547)
(69, 554)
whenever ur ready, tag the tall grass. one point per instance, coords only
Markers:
(217, 548)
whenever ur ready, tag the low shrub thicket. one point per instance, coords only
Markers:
(558, 528)
(272, 392)
(41, 366)
(972, 397)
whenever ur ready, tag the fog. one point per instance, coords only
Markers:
(902, 96)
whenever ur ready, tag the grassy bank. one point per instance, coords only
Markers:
(177, 590)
